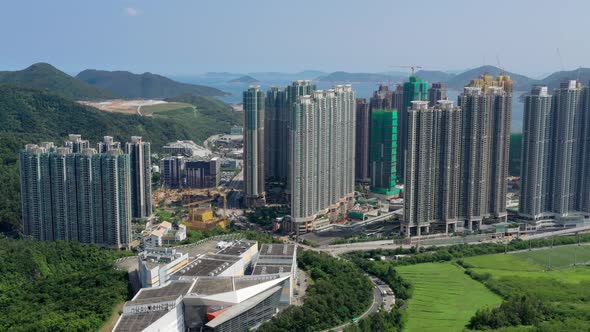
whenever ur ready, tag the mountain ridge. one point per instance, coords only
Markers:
(44, 76)
(553, 80)
(521, 82)
(146, 85)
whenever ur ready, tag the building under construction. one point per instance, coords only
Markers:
(383, 153)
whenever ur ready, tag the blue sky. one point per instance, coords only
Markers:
(184, 37)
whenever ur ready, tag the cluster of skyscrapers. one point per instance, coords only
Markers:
(555, 172)
(304, 138)
(457, 159)
(452, 160)
(84, 194)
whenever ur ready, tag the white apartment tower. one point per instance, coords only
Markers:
(322, 136)
(555, 176)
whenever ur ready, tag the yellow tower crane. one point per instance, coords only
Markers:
(412, 67)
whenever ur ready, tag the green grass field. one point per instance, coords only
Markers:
(557, 257)
(548, 263)
(444, 297)
(547, 274)
(164, 107)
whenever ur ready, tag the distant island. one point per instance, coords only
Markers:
(244, 79)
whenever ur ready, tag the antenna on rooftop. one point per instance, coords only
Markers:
(560, 59)
(499, 65)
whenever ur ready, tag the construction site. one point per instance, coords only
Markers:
(202, 209)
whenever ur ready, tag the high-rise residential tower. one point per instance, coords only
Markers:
(584, 150)
(76, 143)
(566, 157)
(432, 168)
(254, 146)
(383, 142)
(382, 98)
(383, 151)
(537, 139)
(276, 135)
(363, 125)
(83, 196)
(436, 92)
(202, 174)
(277, 110)
(458, 159)
(116, 188)
(322, 131)
(107, 144)
(397, 98)
(415, 89)
(141, 177)
(487, 108)
(297, 89)
(172, 170)
(555, 175)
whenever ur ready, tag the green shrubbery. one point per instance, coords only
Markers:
(57, 286)
(264, 216)
(382, 321)
(516, 310)
(338, 292)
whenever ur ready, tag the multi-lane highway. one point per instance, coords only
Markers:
(339, 249)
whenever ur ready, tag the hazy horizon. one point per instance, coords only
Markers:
(195, 37)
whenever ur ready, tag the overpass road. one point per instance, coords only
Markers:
(339, 249)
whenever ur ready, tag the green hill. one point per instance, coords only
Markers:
(553, 80)
(146, 85)
(44, 76)
(521, 82)
(31, 116)
(57, 286)
(434, 76)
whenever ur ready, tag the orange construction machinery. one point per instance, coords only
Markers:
(201, 216)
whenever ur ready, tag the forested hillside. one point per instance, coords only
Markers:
(146, 85)
(44, 76)
(57, 286)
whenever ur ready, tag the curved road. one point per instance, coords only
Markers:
(377, 300)
(339, 249)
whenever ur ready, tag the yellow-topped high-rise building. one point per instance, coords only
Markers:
(487, 81)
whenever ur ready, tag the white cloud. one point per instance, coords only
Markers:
(130, 11)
